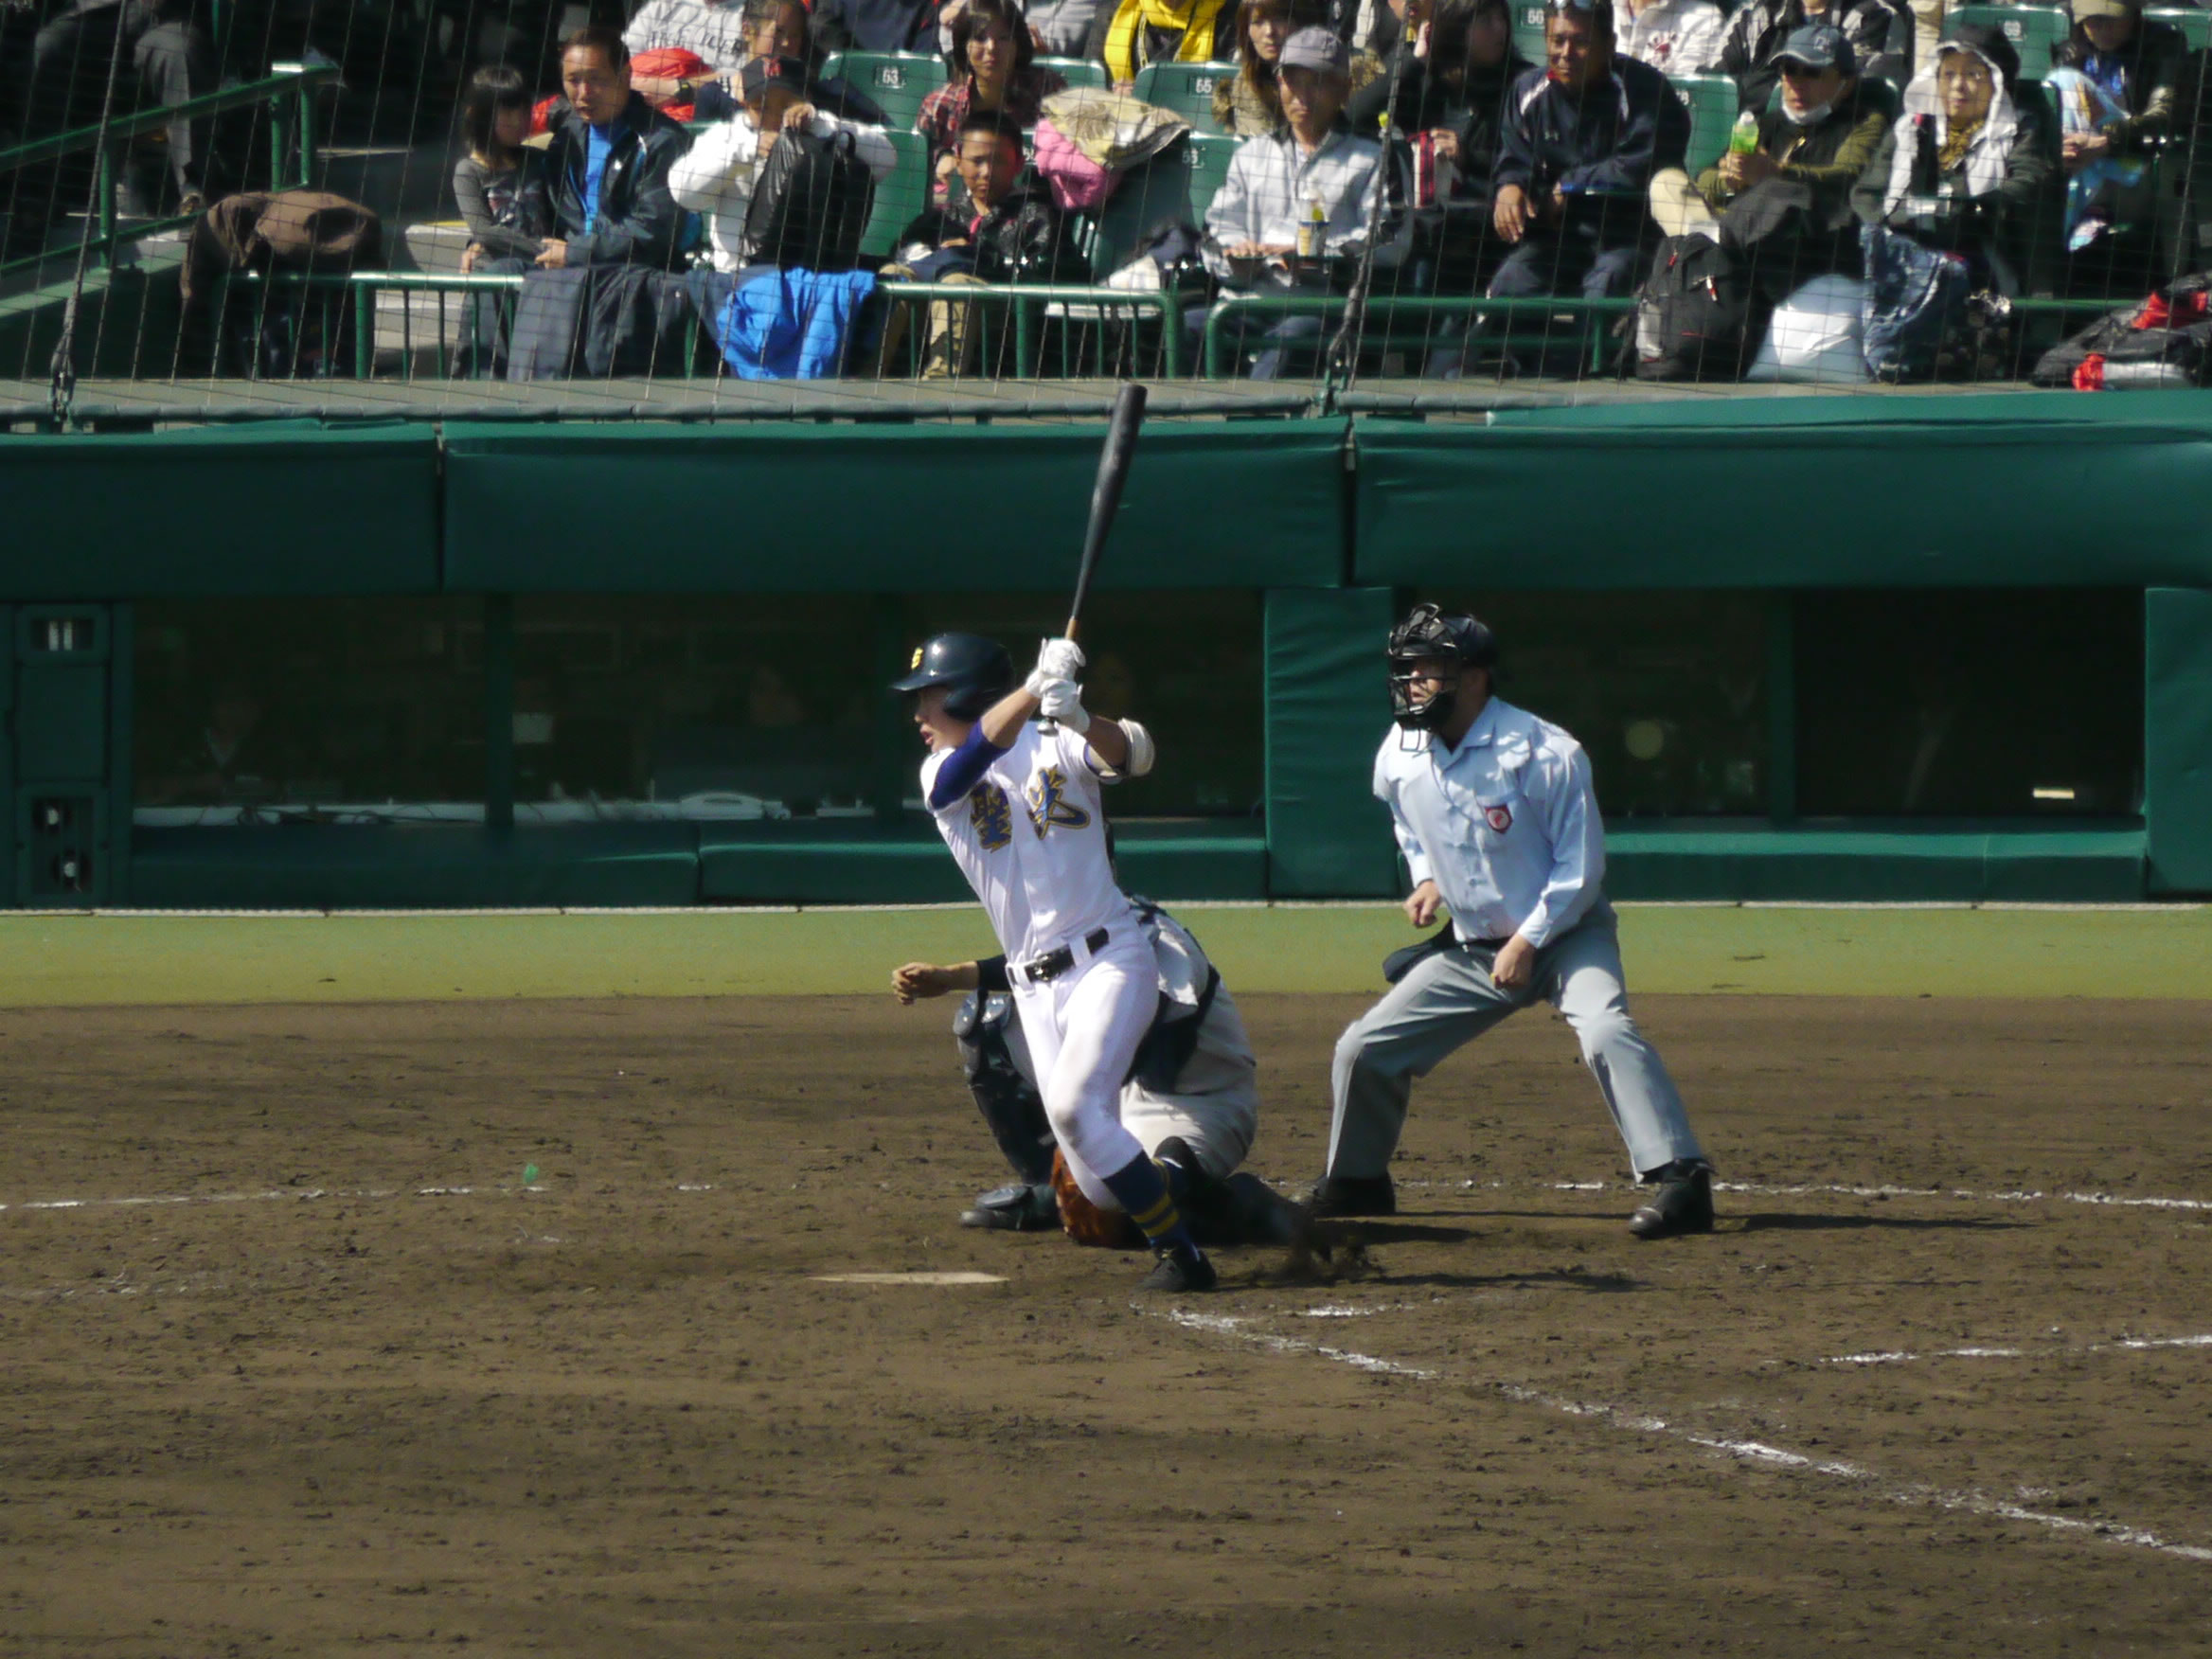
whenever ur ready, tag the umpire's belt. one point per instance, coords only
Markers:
(1044, 970)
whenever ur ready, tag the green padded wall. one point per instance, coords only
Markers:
(2177, 718)
(784, 508)
(297, 509)
(1326, 712)
(1994, 491)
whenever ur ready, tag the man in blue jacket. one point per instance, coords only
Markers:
(1578, 148)
(608, 164)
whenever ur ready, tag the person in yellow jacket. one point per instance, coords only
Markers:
(1126, 36)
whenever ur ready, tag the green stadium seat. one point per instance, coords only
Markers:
(1528, 31)
(2035, 31)
(1077, 71)
(1210, 154)
(2196, 25)
(1186, 88)
(1159, 190)
(896, 80)
(1712, 102)
(899, 197)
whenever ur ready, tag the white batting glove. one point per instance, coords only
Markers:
(1062, 701)
(1058, 659)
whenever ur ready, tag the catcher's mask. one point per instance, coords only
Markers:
(975, 671)
(1427, 632)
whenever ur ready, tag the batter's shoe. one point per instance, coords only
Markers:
(1338, 1196)
(1684, 1203)
(1019, 1208)
(1176, 1272)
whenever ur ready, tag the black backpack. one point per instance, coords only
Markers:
(1693, 315)
(2166, 341)
(809, 208)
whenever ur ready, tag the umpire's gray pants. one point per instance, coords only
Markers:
(1449, 1000)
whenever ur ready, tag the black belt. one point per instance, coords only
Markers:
(1487, 944)
(1044, 969)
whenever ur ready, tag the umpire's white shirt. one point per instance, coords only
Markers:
(1505, 824)
(1030, 837)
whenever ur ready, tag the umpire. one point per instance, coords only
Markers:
(1494, 812)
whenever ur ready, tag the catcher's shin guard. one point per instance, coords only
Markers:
(984, 1030)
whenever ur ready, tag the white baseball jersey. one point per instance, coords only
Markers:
(1032, 839)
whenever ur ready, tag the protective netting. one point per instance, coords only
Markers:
(939, 206)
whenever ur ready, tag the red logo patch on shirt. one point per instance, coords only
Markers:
(1498, 818)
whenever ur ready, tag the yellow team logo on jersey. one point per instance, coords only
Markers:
(1047, 803)
(990, 816)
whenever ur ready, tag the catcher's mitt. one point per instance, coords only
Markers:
(1083, 1221)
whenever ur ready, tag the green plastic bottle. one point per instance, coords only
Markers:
(1743, 136)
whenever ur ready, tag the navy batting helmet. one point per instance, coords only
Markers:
(1428, 632)
(975, 671)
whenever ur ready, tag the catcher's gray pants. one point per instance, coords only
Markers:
(1449, 1000)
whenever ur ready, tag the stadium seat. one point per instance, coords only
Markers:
(1077, 71)
(899, 197)
(2194, 26)
(1210, 154)
(1528, 31)
(2035, 31)
(896, 80)
(1712, 102)
(1186, 88)
(1147, 195)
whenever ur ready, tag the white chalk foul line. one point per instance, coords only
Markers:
(2135, 1344)
(1840, 1190)
(292, 1195)
(1743, 1452)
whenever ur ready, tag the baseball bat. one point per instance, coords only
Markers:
(1129, 413)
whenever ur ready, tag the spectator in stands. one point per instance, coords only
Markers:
(1452, 98)
(875, 26)
(1581, 141)
(1757, 28)
(159, 57)
(1820, 137)
(500, 184)
(1295, 208)
(716, 32)
(778, 29)
(2118, 78)
(716, 176)
(1061, 29)
(1971, 165)
(1248, 104)
(1126, 35)
(607, 165)
(1676, 36)
(1002, 227)
(993, 71)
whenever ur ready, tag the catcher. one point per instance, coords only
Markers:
(1191, 1099)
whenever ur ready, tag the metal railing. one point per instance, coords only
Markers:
(1384, 311)
(288, 90)
(1029, 312)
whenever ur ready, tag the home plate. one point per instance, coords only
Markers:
(909, 1279)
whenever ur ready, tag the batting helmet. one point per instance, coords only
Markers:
(1427, 632)
(976, 672)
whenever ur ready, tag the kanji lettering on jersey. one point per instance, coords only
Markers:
(990, 814)
(1048, 805)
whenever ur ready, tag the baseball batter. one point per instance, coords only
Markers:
(1495, 814)
(1020, 805)
(1191, 1100)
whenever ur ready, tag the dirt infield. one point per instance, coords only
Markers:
(354, 1390)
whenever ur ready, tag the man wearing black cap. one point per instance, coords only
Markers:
(1582, 140)
(1496, 817)
(1818, 138)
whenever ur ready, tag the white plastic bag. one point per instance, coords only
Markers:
(1814, 337)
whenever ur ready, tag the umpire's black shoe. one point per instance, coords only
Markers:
(1336, 1195)
(1684, 1203)
(1175, 1273)
(1019, 1208)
